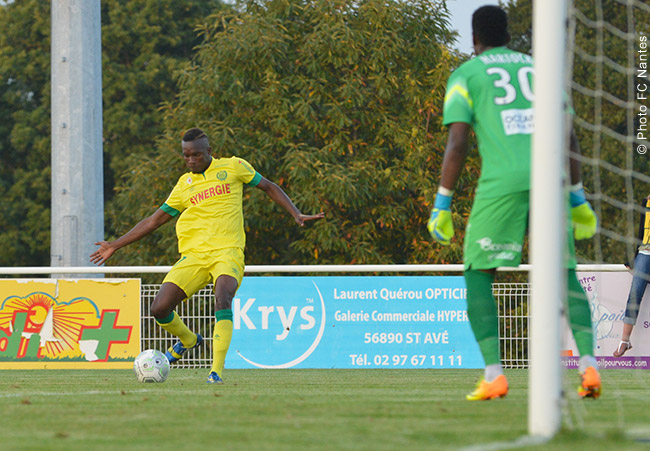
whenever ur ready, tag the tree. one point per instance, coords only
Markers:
(24, 133)
(144, 42)
(340, 103)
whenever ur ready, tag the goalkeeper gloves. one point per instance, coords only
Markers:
(440, 225)
(583, 218)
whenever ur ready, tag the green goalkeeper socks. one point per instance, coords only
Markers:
(482, 313)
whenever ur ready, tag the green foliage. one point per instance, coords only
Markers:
(144, 42)
(520, 24)
(24, 133)
(340, 104)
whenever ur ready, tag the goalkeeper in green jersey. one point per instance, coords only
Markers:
(492, 94)
(208, 204)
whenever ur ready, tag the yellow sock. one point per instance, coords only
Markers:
(177, 327)
(221, 339)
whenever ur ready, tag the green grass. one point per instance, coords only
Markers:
(304, 409)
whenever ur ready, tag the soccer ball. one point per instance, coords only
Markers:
(151, 366)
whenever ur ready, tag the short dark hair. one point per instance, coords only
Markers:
(193, 134)
(490, 26)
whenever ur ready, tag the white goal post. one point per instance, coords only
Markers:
(548, 231)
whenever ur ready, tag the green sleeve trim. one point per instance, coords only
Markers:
(460, 90)
(257, 178)
(171, 211)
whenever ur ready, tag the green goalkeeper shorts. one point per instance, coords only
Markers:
(495, 232)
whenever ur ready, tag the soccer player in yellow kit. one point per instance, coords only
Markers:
(210, 230)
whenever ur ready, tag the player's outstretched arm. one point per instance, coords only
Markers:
(278, 196)
(141, 229)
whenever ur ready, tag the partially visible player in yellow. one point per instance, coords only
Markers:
(211, 239)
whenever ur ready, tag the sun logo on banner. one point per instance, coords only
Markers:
(58, 325)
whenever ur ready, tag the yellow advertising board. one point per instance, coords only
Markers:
(69, 323)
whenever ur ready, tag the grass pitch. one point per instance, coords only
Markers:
(305, 409)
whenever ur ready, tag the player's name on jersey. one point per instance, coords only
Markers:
(505, 58)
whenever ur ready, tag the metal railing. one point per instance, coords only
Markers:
(198, 312)
(40, 270)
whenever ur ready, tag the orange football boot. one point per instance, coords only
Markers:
(498, 388)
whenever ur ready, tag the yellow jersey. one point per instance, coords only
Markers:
(210, 206)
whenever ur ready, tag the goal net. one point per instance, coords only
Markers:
(609, 44)
(608, 49)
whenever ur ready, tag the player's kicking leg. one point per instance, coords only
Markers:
(162, 308)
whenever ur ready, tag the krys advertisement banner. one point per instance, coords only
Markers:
(61, 323)
(352, 322)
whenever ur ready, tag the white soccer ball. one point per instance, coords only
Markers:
(151, 366)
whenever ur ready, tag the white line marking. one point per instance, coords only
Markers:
(526, 440)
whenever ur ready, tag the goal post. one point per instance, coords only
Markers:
(548, 231)
(595, 52)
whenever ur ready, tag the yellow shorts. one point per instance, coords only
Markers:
(194, 271)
